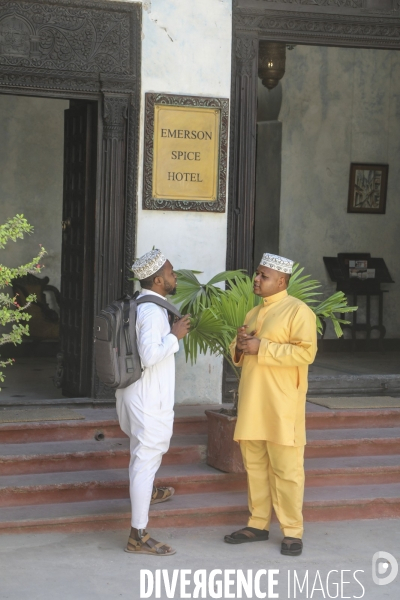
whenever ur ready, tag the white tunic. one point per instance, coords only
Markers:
(151, 398)
(146, 408)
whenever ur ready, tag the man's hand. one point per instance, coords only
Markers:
(251, 345)
(181, 327)
(242, 337)
(241, 340)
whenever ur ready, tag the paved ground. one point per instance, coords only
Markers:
(30, 379)
(94, 567)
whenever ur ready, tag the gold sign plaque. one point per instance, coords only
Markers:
(186, 144)
(185, 153)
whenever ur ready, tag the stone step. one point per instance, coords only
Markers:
(193, 421)
(86, 455)
(101, 422)
(191, 510)
(317, 418)
(353, 385)
(352, 470)
(80, 486)
(352, 442)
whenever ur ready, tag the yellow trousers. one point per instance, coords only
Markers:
(275, 477)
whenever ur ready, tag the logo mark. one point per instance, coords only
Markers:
(381, 561)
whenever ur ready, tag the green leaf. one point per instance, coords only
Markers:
(192, 296)
(217, 313)
(227, 276)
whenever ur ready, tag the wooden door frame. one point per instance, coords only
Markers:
(89, 50)
(346, 23)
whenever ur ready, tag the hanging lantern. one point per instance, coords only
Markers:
(271, 63)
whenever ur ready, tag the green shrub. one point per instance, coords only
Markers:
(11, 312)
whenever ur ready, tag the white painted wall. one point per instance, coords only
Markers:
(186, 49)
(340, 106)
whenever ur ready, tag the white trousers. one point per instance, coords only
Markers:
(147, 447)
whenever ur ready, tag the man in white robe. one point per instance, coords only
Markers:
(145, 408)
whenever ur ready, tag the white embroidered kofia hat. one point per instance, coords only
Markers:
(148, 264)
(278, 263)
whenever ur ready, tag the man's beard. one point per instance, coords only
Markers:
(171, 291)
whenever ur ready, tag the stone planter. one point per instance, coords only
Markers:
(222, 452)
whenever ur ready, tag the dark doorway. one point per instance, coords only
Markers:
(77, 268)
(48, 166)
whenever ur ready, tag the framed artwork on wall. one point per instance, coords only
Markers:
(367, 188)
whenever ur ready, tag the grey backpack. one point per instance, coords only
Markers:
(115, 347)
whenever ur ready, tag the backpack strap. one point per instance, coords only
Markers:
(160, 302)
(125, 318)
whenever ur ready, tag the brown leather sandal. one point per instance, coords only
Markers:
(246, 535)
(146, 545)
(161, 494)
(291, 546)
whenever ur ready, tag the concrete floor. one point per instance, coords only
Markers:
(32, 378)
(356, 363)
(93, 566)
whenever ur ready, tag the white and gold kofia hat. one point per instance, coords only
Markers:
(148, 264)
(278, 263)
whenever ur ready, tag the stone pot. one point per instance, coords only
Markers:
(222, 452)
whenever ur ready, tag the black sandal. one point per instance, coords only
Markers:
(246, 535)
(291, 546)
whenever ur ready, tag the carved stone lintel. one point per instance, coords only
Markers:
(289, 26)
(89, 37)
(22, 79)
(111, 83)
(380, 6)
(115, 114)
(70, 45)
(338, 3)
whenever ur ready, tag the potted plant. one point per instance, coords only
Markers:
(216, 315)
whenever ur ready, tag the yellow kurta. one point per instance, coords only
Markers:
(273, 385)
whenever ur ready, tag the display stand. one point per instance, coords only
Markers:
(339, 269)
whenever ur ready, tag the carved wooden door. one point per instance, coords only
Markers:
(77, 247)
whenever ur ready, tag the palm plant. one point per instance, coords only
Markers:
(217, 313)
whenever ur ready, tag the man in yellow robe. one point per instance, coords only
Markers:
(274, 348)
